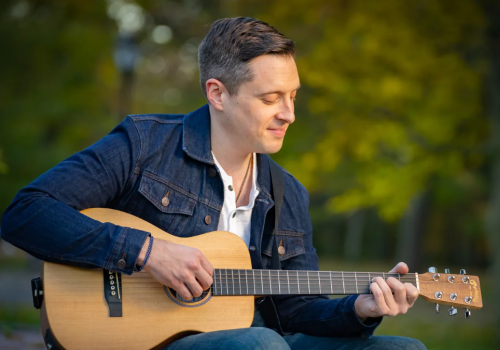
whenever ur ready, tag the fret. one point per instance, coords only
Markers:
(356, 278)
(253, 273)
(279, 282)
(319, 282)
(232, 280)
(343, 283)
(298, 282)
(239, 282)
(270, 283)
(331, 284)
(246, 281)
(308, 286)
(288, 281)
(227, 284)
(262, 281)
(399, 277)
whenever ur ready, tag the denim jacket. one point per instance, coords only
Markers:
(131, 170)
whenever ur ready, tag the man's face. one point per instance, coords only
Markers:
(259, 115)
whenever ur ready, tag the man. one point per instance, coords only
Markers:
(202, 172)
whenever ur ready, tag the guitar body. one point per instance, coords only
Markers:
(77, 313)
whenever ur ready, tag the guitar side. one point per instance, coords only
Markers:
(78, 315)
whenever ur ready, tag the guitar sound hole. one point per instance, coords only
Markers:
(194, 300)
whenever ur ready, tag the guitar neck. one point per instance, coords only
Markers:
(294, 282)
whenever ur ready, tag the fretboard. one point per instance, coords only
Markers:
(294, 282)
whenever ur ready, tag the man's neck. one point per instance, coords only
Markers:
(229, 153)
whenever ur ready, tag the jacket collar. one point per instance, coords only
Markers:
(196, 142)
(196, 137)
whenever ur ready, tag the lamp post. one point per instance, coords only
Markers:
(126, 56)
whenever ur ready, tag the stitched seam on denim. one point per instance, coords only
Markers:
(291, 233)
(169, 183)
(166, 210)
(141, 118)
(141, 137)
(115, 247)
(181, 190)
(136, 165)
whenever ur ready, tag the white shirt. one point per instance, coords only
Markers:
(232, 219)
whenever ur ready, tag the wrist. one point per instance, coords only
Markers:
(144, 250)
(357, 310)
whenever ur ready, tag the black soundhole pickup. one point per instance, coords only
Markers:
(37, 292)
(113, 292)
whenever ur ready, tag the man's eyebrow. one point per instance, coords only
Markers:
(276, 92)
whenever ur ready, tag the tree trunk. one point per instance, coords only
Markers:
(354, 239)
(411, 233)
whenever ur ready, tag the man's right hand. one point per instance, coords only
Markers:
(182, 268)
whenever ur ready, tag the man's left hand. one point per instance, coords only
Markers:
(382, 302)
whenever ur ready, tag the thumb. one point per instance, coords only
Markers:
(400, 268)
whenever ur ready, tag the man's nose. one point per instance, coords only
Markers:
(287, 113)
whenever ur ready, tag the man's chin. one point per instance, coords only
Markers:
(272, 147)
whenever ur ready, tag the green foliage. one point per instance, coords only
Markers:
(397, 93)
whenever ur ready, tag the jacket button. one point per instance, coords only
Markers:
(212, 172)
(165, 201)
(281, 250)
(121, 264)
(208, 220)
(252, 248)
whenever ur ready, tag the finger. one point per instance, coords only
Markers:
(400, 268)
(388, 297)
(183, 291)
(378, 297)
(194, 287)
(204, 279)
(399, 294)
(207, 266)
(411, 293)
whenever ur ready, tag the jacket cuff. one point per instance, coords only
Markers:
(365, 328)
(126, 250)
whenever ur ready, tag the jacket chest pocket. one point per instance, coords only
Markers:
(165, 206)
(290, 244)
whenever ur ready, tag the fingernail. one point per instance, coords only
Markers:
(373, 279)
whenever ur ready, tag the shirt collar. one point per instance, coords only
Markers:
(196, 143)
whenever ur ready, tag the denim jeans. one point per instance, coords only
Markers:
(267, 339)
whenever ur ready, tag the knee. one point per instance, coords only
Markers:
(265, 339)
(399, 343)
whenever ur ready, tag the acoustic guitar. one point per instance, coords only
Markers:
(98, 309)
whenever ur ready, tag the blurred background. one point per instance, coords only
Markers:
(397, 132)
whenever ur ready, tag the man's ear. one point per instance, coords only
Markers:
(215, 89)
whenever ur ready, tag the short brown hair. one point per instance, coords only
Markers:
(231, 44)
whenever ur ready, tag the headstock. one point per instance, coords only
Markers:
(457, 290)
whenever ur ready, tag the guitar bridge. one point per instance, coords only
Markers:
(113, 292)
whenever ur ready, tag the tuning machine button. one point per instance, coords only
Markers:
(452, 311)
(467, 314)
(433, 270)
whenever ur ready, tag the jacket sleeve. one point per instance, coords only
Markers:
(318, 315)
(44, 218)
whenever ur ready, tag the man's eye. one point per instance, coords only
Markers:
(270, 101)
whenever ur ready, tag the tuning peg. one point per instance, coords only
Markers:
(462, 272)
(452, 311)
(447, 271)
(467, 314)
(432, 269)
